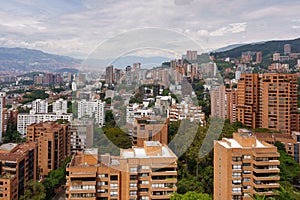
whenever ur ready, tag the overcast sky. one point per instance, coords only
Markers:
(77, 27)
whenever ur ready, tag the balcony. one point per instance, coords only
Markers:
(266, 193)
(82, 197)
(164, 173)
(82, 174)
(267, 178)
(266, 154)
(164, 180)
(266, 170)
(269, 162)
(265, 185)
(172, 189)
(161, 195)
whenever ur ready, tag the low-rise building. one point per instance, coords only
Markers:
(183, 111)
(148, 172)
(135, 110)
(147, 129)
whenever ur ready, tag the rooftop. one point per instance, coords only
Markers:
(23, 147)
(90, 151)
(141, 153)
(10, 156)
(152, 143)
(8, 146)
(232, 143)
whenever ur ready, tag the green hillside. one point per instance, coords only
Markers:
(267, 48)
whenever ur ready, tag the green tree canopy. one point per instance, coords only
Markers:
(34, 191)
(191, 196)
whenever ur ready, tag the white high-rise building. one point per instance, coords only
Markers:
(25, 120)
(74, 86)
(2, 106)
(39, 106)
(60, 106)
(92, 108)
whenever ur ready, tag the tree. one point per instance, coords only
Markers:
(14, 137)
(289, 171)
(190, 196)
(118, 137)
(34, 191)
(56, 178)
(108, 100)
(109, 119)
(258, 197)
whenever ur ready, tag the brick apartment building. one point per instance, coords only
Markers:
(244, 166)
(291, 142)
(268, 101)
(146, 129)
(18, 165)
(53, 141)
(148, 172)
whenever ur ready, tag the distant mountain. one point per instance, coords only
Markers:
(267, 48)
(227, 48)
(122, 62)
(34, 60)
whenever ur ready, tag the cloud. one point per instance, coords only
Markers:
(77, 27)
(231, 28)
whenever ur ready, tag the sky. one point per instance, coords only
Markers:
(78, 28)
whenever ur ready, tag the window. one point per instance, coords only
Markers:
(133, 185)
(114, 178)
(102, 175)
(236, 159)
(246, 187)
(246, 164)
(246, 172)
(246, 157)
(236, 182)
(236, 174)
(236, 189)
(145, 167)
(273, 167)
(102, 191)
(133, 169)
(114, 185)
(144, 182)
(246, 179)
(236, 167)
(236, 197)
(102, 183)
(158, 185)
(143, 190)
(113, 193)
(133, 177)
(132, 192)
(144, 174)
